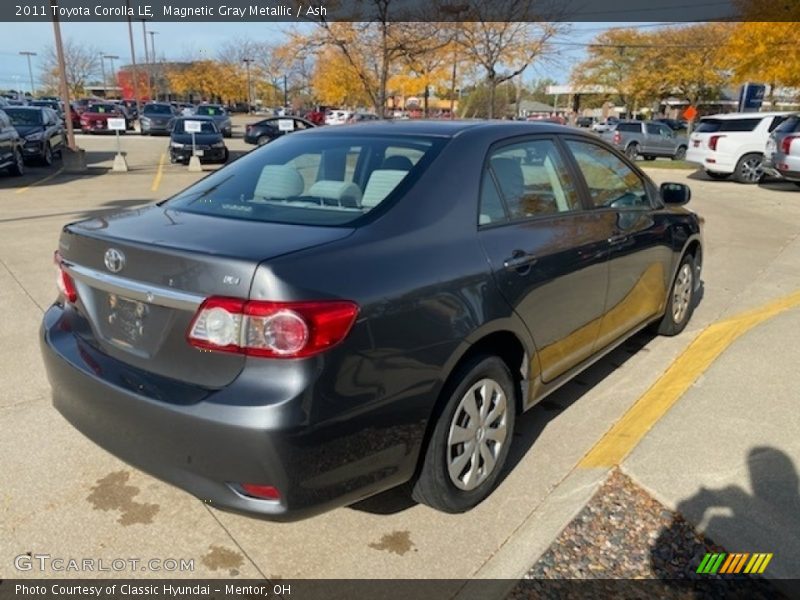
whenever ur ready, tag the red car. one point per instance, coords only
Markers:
(95, 117)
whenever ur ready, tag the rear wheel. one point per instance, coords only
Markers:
(262, 140)
(797, 183)
(750, 168)
(717, 176)
(680, 153)
(632, 151)
(17, 168)
(471, 438)
(680, 305)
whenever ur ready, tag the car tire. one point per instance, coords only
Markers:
(649, 157)
(17, 168)
(717, 176)
(262, 140)
(632, 151)
(749, 169)
(680, 304)
(797, 183)
(225, 156)
(680, 153)
(47, 155)
(457, 482)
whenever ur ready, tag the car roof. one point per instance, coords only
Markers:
(746, 115)
(24, 107)
(208, 118)
(444, 128)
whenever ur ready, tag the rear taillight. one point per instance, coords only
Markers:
(617, 137)
(262, 492)
(713, 140)
(65, 283)
(786, 143)
(271, 329)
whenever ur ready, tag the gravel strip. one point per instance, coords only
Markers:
(626, 544)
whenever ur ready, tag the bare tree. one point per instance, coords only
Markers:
(83, 64)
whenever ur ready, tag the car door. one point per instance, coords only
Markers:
(6, 139)
(53, 130)
(640, 259)
(653, 143)
(547, 251)
(668, 140)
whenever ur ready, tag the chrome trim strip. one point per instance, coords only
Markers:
(144, 292)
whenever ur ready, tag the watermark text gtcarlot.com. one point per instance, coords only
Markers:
(46, 563)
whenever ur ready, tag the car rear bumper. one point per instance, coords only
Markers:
(783, 165)
(209, 154)
(710, 161)
(207, 441)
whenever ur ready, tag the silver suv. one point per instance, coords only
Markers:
(647, 139)
(782, 154)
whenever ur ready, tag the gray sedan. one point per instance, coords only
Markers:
(220, 116)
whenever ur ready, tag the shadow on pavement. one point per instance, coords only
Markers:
(756, 521)
(104, 210)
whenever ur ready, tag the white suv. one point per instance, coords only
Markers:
(733, 144)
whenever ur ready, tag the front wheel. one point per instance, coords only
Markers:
(47, 155)
(18, 166)
(471, 438)
(632, 151)
(750, 168)
(680, 304)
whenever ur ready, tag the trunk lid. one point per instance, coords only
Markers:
(142, 274)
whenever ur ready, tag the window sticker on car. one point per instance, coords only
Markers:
(285, 125)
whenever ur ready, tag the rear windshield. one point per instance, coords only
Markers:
(103, 108)
(205, 126)
(789, 125)
(311, 179)
(715, 125)
(209, 110)
(158, 109)
(24, 116)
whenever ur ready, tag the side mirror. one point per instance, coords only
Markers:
(675, 193)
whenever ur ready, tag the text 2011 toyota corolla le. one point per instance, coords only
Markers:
(349, 309)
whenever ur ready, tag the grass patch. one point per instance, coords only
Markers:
(667, 164)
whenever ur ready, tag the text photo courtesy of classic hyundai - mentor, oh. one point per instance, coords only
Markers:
(348, 309)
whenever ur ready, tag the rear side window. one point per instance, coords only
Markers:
(716, 125)
(611, 182)
(653, 129)
(532, 180)
(630, 127)
(790, 125)
(326, 180)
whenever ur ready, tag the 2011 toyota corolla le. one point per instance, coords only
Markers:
(348, 309)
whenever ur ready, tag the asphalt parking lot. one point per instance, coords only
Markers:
(55, 486)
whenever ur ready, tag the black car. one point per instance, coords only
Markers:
(156, 118)
(585, 122)
(674, 124)
(266, 130)
(11, 157)
(208, 143)
(41, 130)
(352, 308)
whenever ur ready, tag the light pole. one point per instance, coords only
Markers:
(112, 58)
(153, 35)
(147, 60)
(30, 69)
(62, 72)
(103, 72)
(247, 62)
(134, 70)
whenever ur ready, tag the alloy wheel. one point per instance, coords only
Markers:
(477, 434)
(752, 169)
(682, 293)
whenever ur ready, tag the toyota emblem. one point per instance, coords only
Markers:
(115, 260)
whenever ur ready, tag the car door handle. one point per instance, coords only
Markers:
(519, 259)
(615, 240)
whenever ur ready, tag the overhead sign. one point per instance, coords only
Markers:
(115, 124)
(192, 126)
(285, 124)
(751, 97)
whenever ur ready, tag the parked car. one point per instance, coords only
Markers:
(220, 116)
(208, 143)
(156, 118)
(94, 119)
(361, 117)
(11, 157)
(52, 104)
(351, 309)
(131, 108)
(733, 144)
(585, 122)
(337, 117)
(186, 108)
(271, 128)
(83, 103)
(648, 139)
(782, 155)
(674, 124)
(605, 124)
(41, 131)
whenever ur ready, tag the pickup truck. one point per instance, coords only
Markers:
(647, 139)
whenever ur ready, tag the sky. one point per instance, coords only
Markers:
(175, 40)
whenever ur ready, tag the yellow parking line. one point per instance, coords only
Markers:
(159, 173)
(615, 445)
(41, 181)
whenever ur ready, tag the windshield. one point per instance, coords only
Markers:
(205, 126)
(23, 116)
(311, 180)
(157, 109)
(103, 109)
(211, 111)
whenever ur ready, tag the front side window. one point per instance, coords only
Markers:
(532, 180)
(611, 182)
(310, 180)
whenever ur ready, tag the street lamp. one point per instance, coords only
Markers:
(103, 72)
(111, 58)
(153, 35)
(62, 72)
(247, 62)
(134, 70)
(30, 69)
(147, 60)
